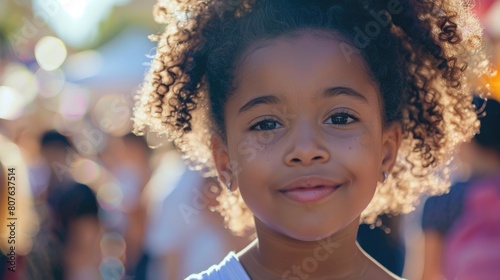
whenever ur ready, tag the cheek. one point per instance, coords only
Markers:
(251, 146)
(254, 156)
(258, 167)
(361, 156)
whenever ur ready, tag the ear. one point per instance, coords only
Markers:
(391, 141)
(222, 162)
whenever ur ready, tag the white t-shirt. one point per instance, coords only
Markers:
(229, 268)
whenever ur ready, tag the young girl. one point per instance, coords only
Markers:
(316, 116)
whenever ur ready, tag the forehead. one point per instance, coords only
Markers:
(302, 59)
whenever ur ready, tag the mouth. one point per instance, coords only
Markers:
(309, 194)
(309, 189)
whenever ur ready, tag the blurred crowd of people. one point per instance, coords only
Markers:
(121, 214)
(99, 203)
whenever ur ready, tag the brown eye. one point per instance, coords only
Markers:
(266, 125)
(341, 119)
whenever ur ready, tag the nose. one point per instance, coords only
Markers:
(305, 147)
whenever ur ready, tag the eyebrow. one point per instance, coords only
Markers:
(336, 91)
(268, 99)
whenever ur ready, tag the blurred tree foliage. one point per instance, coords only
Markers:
(14, 14)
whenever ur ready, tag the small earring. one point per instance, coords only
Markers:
(385, 176)
(228, 185)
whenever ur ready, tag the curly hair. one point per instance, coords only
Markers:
(421, 53)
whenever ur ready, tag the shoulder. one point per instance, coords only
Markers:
(229, 268)
(455, 194)
(440, 212)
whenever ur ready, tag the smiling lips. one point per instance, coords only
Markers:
(308, 189)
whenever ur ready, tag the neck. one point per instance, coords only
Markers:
(276, 256)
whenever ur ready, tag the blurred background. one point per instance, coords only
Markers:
(94, 201)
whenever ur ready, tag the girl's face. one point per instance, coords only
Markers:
(305, 139)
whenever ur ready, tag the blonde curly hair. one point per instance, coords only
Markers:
(423, 61)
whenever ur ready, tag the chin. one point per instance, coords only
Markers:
(309, 235)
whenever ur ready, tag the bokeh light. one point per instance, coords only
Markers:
(113, 245)
(50, 83)
(112, 114)
(109, 196)
(111, 269)
(11, 103)
(50, 53)
(74, 102)
(17, 76)
(18, 89)
(155, 140)
(86, 171)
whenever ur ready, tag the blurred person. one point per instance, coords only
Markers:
(127, 158)
(472, 248)
(70, 231)
(184, 234)
(15, 242)
(446, 218)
